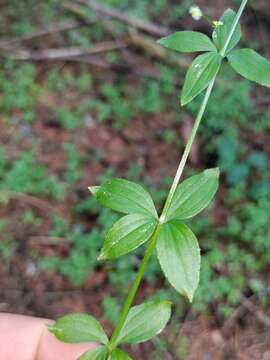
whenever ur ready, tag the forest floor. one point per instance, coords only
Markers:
(60, 133)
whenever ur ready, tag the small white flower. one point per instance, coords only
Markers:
(196, 12)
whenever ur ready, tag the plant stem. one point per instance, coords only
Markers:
(136, 284)
(235, 22)
(152, 243)
(187, 151)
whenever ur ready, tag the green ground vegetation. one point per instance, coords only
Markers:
(233, 137)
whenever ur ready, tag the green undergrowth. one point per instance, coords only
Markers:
(18, 177)
(236, 257)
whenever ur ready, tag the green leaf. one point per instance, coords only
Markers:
(221, 33)
(127, 234)
(179, 257)
(202, 70)
(78, 328)
(188, 41)
(144, 322)
(193, 195)
(125, 196)
(118, 354)
(96, 354)
(251, 65)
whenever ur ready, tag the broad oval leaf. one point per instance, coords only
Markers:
(179, 257)
(127, 234)
(78, 328)
(118, 354)
(221, 33)
(144, 322)
(202, 70)
(251, 65)
(124, 196)
(96, 354)
(193, 195)
(188, 41)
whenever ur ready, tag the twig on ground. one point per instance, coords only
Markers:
(123, 69)
(260, 315)
(51, 29)
(248, 305)
(152, 48)
(30, 199)
(111, 12)
(76, 10)
(64, 53)
(133, 38)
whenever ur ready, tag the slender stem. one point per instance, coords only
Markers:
(152, 243)
(235, 22)
(136, 284)
(187, 151)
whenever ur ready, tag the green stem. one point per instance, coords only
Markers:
(135, 286)
(187, 151)
(235, 22)
(152, 242)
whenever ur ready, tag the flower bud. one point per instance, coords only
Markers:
(217, 23)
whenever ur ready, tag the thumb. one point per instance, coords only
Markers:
(50, 348)
(27, 338)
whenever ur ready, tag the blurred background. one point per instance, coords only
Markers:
(86, 93)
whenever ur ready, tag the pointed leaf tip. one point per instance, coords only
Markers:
(189, 297)
(212, 172)
(183, 102)
(101, 256)
(94, 189)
